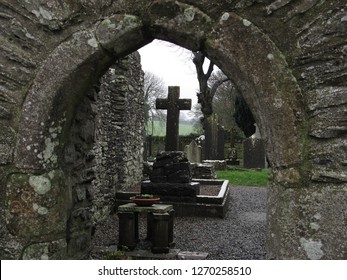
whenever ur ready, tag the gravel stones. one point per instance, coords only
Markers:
(240, 235)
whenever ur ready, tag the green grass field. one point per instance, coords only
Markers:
(244, 177)
(160, 128)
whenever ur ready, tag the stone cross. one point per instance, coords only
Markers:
(173, 105)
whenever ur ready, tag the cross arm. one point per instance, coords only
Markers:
(185, 104)
(161, 103)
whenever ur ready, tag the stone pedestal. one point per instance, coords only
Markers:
(160, 223)
(128, 230)
(159, 232)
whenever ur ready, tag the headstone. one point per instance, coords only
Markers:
(193, 151)
(209, 139)
(201, 142)
(173, 105)
(232, 157)
(214, 139)
(220, 143)
(254, 152)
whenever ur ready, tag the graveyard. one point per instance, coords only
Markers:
(72, 132)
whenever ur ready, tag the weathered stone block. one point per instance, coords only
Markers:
(163, 162)
(171, 189)
(180, 176)
(158, 171)
(158, 179)
(5, 154)
(54, 250)
(182, 166)
(38, 205)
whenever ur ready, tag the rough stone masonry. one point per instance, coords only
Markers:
(287, 58)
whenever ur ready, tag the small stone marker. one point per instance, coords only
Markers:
(173, 105)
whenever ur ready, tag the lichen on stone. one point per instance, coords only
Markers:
(48, 155)
(312, 248)
(189, 14)
(278, 103)
(40, 209)
(314, 226)
(41, 184)
(270, 56)
(224, 17)
(246, 22)
(93, 42)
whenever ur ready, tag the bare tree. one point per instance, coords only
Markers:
(224, 102)
(224, 105)
(154, 87)
(207, 87)
(196, 115)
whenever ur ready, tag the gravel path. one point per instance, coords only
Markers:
(240, 235)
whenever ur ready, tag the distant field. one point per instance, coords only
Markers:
(160, 128)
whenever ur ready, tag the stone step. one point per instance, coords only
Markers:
(173, 254)
(187, 255)
(147, 254)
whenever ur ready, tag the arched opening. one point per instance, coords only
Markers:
(240, 49)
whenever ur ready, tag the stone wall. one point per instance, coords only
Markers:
(104, 152)
(287, 58)
(120, 128)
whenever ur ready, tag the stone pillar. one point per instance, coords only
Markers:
(160, 232)
(128, 230)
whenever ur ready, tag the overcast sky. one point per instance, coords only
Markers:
(173, 64)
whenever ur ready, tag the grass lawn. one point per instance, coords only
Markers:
(244, 177)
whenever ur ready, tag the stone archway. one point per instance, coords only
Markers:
(242, 50)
